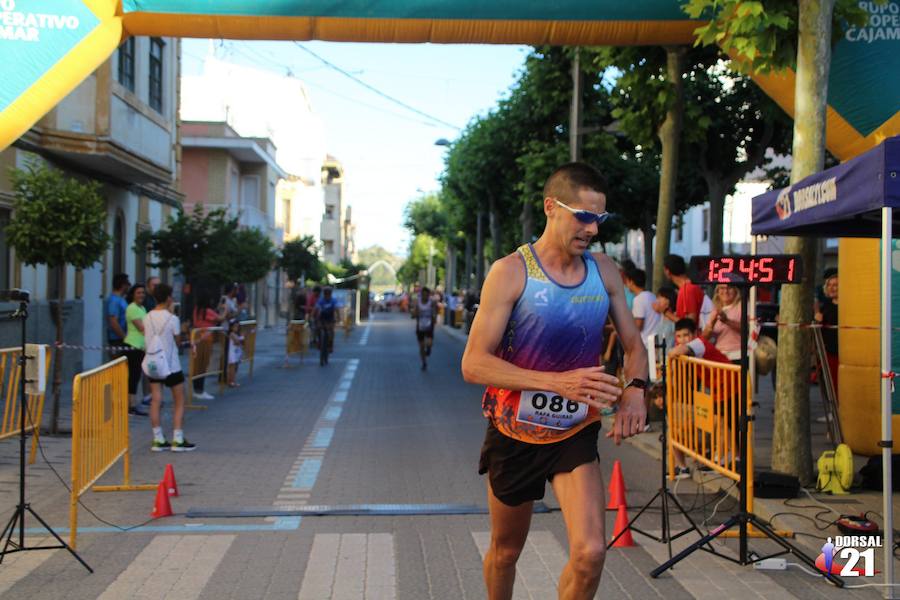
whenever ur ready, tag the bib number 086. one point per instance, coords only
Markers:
(548, 409)
(555, 403)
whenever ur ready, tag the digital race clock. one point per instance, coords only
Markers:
(746, 270)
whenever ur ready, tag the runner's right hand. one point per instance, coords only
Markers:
(591, 385)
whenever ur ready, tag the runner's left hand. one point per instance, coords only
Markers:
(631, 416)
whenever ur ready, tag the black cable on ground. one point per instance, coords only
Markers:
(69, 489)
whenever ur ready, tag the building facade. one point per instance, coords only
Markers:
(118, 127)
(223, 170)
(337, 231)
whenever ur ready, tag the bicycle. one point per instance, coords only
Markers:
(325, 336)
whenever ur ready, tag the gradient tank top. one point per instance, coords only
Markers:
(552, 327)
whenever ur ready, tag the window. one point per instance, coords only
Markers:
(705, 224)
(329, 212)
(329, 247)
(118, 245)
(156, 74)
(286, 215)
(250, 191)
(126, 64)
(4, 251)
(140, 259)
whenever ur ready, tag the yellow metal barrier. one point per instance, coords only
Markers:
(704, 409)
(347, 320)
(248, 330)
(459, 316)
(99, 433)
(10, 374)
(297, 339)
(207, 358)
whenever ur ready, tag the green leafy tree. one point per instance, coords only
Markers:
(778, 35)
(57, 221)
(209, 249)
(300, 259)
(415, 269)
(427, 214)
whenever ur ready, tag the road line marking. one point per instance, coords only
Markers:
(306, 477)
(350, 565)
(184, 528)
(171, 567)
(323, 437)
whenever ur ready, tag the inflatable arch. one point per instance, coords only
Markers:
(47, 47)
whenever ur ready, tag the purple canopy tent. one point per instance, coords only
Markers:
(854, 199)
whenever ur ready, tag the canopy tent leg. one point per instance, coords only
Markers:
(751, 314)
(886, 412)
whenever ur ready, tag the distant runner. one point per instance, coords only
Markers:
(424, 312)
(536, 343)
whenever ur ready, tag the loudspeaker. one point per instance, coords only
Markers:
(35, 369)
(771, 484)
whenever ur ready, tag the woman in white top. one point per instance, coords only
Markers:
(163, 368)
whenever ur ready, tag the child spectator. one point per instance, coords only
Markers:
(235, 351)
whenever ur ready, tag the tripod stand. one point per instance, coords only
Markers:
(11, 545)
(744, 518)
(663, 494)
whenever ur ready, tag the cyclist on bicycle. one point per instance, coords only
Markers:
(325, 314)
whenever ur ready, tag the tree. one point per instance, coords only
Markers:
(423, 250)
(788, 34)
(209, 249)
(57, 221)
(300, 260)
(427, 214)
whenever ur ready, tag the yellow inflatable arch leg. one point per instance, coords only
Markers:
(859, 376)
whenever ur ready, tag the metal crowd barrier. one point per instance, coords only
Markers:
(297, 339)
(10, 374)
(703, 410)
(99, 433)
(207, 359)
(248, 330)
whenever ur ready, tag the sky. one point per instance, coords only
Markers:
(388, 151)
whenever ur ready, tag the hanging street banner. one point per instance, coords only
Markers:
(47, 47)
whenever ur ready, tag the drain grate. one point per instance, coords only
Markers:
(355, 510)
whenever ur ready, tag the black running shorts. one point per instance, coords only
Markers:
(518, 471)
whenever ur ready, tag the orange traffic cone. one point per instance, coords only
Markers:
(169, 480)
(624, 540)
(162, 507)
(616, 488)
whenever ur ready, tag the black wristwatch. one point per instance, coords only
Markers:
(640, 384)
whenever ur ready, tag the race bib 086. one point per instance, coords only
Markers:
(548, 409)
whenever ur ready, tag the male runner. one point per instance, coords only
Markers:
(424, 312)
(324, 315)
(536, 343)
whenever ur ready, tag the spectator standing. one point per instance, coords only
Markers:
(827, 315)
(235, 352)
(204, 316)
(149, 302)
(240, 298)
(134, 341)
(692, 303)
(666, 298)
(161, 330)
(646, 318)
(229, 301)
(116, 323)
(724, 325)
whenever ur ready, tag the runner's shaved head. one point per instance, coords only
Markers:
(566, 181)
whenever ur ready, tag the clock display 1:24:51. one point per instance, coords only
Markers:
(784, 268)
